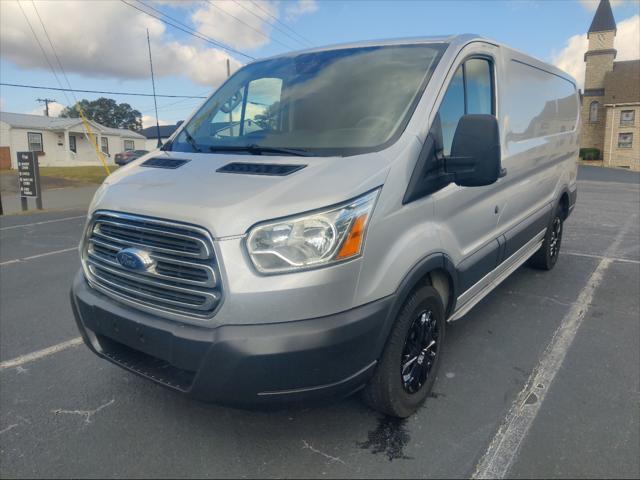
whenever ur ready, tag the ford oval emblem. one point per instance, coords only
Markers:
(135, 259)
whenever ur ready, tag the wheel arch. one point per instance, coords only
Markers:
(436, 270)
(565, 196)
(563, 203)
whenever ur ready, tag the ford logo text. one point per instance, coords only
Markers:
(135, 259)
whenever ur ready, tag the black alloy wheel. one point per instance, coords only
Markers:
(547, 256)
(556, 237)
(408, 367)
(420, 351)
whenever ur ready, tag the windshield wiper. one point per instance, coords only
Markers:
(191, 141)
(259, 150)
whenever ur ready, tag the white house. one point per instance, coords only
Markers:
(61, 141)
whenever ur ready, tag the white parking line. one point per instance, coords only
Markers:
(600, 257)
(40, 255)
(45, 352)
(503, 449)
(43, 222)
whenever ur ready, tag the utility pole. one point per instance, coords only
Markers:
(153, 83)
(46, 102)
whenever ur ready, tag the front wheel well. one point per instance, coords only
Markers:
(441, 281)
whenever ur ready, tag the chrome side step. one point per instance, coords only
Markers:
(499, 274)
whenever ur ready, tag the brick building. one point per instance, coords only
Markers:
(611, 98)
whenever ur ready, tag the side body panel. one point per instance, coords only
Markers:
(538, 117)
(484, 232)
(539, 145)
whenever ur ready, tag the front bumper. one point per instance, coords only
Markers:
(238, 364)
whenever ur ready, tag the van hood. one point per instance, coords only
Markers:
(228, 204)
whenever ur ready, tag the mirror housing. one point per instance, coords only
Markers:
(475, 158)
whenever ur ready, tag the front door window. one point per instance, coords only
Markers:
(470, 91)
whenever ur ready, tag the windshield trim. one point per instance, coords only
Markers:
(441, 47)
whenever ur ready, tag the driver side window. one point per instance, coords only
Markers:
(253, 108)
(470, 91)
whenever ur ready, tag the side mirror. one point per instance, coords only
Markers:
(475, 152)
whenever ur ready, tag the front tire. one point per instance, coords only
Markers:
(547, 256)
(407, 370)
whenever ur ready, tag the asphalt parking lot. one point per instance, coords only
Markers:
(571, 335)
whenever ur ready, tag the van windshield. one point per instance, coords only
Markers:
(335, 102)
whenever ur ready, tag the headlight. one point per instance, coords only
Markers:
(311, 240)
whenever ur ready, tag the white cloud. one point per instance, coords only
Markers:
(216, 20)
(105, 39)
(150, 121)
(571, 57)
(108, 38)
(591, 5)
(54, 109)
(294, 10)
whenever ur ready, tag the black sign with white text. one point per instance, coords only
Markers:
(28, 174)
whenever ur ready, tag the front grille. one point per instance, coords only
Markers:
(183, 279)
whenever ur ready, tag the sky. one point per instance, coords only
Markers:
(101, 44)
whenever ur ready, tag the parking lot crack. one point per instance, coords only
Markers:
(87, 414)
(10, 427)
(325, 455)
(541, 297)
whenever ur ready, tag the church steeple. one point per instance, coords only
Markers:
(601, 53)
(603, 20)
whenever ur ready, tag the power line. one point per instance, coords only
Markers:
(54, 52)
(39, 87)
(84, 120)
(193, 31)
(172, 105)
(281, 22)
(189, 31)
(44, 53)
(249, 26)
(263, 19)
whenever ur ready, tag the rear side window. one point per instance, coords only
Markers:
(470, 91)
(537, 103)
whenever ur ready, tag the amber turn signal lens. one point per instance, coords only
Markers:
(352, 244)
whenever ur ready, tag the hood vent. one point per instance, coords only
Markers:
(159, 162)
(269, 169)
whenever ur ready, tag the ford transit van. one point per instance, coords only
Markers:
(312, 228)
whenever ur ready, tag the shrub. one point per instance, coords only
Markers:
(590, 154)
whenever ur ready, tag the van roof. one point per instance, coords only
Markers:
(455, 42)
(450, 39)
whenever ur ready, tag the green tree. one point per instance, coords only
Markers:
(107, 112)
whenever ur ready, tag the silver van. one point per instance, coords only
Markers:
(310, 230)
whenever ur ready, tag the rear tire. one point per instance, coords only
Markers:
(407, 369)
(547, 256)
